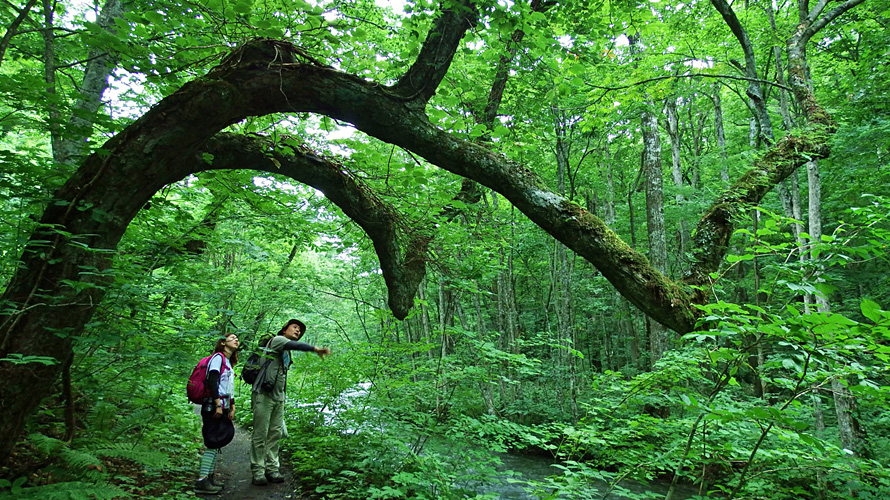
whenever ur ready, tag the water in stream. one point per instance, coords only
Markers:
(535, 468)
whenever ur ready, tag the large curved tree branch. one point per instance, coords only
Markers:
(716, 226)
(177, 127)
(714, 229)
(66, 265)
(174, 125)
(402, 273)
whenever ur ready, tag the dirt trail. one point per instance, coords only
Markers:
(234, 471)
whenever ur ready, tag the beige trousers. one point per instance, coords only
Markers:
(268, 425)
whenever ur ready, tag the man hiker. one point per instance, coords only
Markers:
(268, 396)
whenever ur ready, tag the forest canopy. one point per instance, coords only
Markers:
(618, 192)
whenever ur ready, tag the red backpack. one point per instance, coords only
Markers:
(196, 389)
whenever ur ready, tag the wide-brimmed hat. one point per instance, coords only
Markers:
(294, 322)
(217, 432)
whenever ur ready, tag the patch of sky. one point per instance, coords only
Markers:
(397, 6)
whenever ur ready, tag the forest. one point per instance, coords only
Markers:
(640, 244)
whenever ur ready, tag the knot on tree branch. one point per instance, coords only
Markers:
(408, 276)
(263, 53)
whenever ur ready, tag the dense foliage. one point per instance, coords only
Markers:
(514, 346)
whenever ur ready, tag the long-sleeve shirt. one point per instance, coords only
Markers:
(276, 371)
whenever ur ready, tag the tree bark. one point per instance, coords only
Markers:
(562, 270)
(508, 316)
(673, 129)
(721, 135)
(49, 77)
(99, 68)
(754, 91)
(784, 106)
(659, 336)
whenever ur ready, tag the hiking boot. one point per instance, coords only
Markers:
(260, 481)
(216, 481)
(274, 477)
(203, 486)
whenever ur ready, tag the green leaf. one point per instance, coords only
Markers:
(154, 18)
(872, 310)
(243, 6)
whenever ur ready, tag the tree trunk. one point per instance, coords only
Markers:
(507, 311)
(606, 170)
(844, 400)
(447, 304)
(848, 427)
(815, 228)
(754, 91)
(659, 337)
(100, 66)
(673, 130)
(562, 275)
(425, 333)
(755, 359)
(481, 326)
(697, 121)
(784, 110)
(49, 76)
(721, 135)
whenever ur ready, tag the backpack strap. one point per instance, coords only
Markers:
(223, 365)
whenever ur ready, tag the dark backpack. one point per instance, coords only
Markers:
(255, 363)
(196, 390)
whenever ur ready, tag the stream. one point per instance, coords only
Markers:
(515, 470)
(536, 468)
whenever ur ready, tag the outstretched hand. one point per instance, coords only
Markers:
(322, 351)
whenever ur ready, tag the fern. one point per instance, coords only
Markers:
(135, 453)
(73, 463)
(102, 415)
(80, 464)
(134, 420)
(73, 490)
(45, 444)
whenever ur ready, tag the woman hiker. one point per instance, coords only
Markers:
(217, 413)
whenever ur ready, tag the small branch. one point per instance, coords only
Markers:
(796, 394)
(697, 75)
(14, 26)
(423, 78)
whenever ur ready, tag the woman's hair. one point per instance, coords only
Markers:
(220, 346)
(293, 322)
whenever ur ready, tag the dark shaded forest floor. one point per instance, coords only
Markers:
(233, 470)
